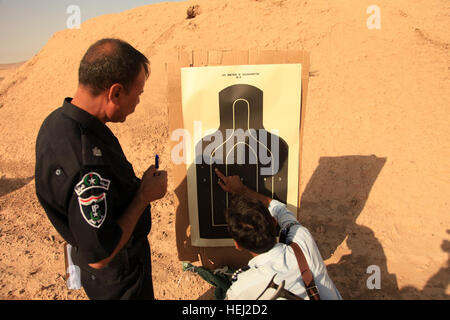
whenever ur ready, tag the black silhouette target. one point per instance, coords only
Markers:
(241, 146)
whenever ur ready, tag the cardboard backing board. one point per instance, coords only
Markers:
(215, 257)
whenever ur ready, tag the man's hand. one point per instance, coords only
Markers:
(154, 184)
(231, 184)
(153, 187)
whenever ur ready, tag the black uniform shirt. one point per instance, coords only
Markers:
(84, 181)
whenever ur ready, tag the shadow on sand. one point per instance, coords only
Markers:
(332, 201)
(10, 185)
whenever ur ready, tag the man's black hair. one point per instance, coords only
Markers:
(110, 61)
(250, 224)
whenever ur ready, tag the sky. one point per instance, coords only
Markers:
(27, 25)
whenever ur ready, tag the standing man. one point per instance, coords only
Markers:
(86, 185)
(251, 220)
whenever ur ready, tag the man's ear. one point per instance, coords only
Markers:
(237, 246)
(114, 93)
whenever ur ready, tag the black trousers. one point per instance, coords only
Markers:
(127, 277)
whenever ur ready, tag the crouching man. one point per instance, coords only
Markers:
(292, 268)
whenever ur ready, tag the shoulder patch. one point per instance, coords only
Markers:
(90, 181)
(91, 191)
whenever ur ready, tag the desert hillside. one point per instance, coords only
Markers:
(376, 146)
(8, 69)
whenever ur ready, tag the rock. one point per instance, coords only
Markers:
(193, 11)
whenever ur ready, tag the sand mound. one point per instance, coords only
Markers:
(375, 172)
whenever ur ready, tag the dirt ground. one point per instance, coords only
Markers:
(375, 165)
(8, 69)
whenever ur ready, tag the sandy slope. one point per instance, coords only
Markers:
(7, 69)
(375, 172)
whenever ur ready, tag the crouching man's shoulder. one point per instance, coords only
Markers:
(248, 284)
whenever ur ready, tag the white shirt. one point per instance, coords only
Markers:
(281, 260)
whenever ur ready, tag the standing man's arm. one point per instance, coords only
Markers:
(153, 187)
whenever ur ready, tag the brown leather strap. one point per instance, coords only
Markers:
(307, 276)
